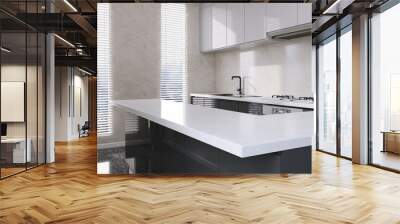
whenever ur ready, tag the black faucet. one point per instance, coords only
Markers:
(240, 83)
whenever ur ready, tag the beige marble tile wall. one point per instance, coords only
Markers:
(134, 46)
(136, 52)
(135, 63)
(201, 67)
(135, 49)
(283, 67)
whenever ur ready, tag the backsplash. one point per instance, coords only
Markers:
(283, 67)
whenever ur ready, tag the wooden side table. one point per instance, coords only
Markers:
(14, 150)
(391, 141)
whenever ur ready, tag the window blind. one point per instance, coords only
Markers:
(104, 83)
(173, 80)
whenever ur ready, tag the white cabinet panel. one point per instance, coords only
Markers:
(12, 101)
(254, 14)
(304, 13)
(218, 23)
(281, 15)
(205, 27)
(228, 24)
(235, 23)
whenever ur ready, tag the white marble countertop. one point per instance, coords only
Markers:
(262, 100)
(240, 134)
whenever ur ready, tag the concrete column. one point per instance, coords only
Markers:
(50, 84)
(360, 90)
(50, 93)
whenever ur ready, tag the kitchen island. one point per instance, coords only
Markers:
(191, 139)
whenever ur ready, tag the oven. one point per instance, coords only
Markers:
(272, 109)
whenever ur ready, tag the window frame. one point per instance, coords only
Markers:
(333, 37)
(380, 9)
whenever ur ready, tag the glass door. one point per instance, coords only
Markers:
(327, 128)
(334, 103)
(345, 92)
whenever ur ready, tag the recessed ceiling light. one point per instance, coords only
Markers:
(70, 5)
(64, 40)
(337, 7)
(84, 71)
(5, 50)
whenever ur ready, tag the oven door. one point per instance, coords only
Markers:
(272, 109)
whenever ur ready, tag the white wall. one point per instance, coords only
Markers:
(33, 127)
(283, 67)
(62, 81)
(16, 72)
(68, 81)
(80, 115)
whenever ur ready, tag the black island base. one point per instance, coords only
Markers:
(156, 149)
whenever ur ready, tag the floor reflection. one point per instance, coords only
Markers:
(113, 161)
(386, 159)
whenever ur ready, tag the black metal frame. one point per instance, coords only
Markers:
(342, 31)
(336, 38)
(387, 5)
(369, 114)
(338, 97)
(0, 90)
(36, 164)
(316, 97)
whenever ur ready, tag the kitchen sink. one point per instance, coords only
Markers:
(246, 96)
(222, 94)
(233, 95)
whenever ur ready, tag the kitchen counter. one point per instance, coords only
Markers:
(240, 134)
(261, 100)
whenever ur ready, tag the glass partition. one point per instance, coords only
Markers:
(23, 91)
(13, 94)
(334, 99)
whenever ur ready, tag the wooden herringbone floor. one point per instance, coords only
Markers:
(69, 191)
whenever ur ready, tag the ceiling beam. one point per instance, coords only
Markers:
(86, 27)
(82, 61)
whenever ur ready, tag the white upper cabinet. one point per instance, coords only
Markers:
(235, 23)
(304, 13)
(218, 25)
(228, 24)
(205, 27)
(254, 14)
(280, 15)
